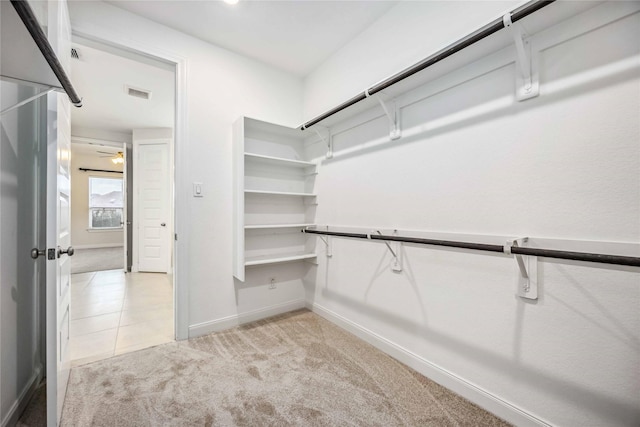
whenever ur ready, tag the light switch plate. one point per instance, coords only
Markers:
(197, 189)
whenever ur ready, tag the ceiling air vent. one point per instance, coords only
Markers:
(75, 54)
(138, 93)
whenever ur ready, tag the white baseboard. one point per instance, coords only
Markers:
(228, 322)
(466, 389)
(11, 418)
(217, 325)
(99, 246)
(273, 310)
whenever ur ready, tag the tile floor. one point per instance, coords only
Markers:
(114, 313)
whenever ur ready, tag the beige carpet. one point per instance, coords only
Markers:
(291, 370)
(99, 259)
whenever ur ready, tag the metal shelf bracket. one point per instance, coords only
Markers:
(328, 140)
(392, 112)
(396, 252)
(328, 244)
(528, 269)
(527, 82)
(327, 241)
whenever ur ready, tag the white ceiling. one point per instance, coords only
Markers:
(292, 35)
(100, 78)
(94, 149)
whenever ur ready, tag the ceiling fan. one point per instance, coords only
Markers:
(115, 158)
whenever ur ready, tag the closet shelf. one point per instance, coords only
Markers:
(279, 193)
(270, 226)
(275, 259)
(278, 161)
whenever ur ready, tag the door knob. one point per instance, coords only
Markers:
(164, 224)
(35, 253)
(69, 251)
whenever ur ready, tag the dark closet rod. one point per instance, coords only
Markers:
(98, 170)
(467, 41)
(28, 18)
(547, 253)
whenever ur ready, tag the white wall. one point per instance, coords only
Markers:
(20, 362)
(81, 237)
(221, 86)
(409, 32)
(564, 165)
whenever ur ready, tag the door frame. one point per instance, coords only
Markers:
(180, 174)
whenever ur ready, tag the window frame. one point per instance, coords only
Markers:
(90, 208)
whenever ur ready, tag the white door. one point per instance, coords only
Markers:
(58, 273)
(151, 200)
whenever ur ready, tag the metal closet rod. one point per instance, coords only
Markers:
(518, 250)
(97, 170)
(29, 19)
(482, 33)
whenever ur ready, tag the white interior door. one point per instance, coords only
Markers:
(151, 206)
(58, 273)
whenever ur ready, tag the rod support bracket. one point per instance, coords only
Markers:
(326, 240)
(396, 252)
(328, 244)
(327, 139)
(527, 82)
(527, 268)
(392, 112)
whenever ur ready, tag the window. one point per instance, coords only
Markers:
(105, 203)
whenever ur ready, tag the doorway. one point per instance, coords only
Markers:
(119, 305)
(98, 205)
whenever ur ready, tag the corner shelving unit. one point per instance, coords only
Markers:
(273, 195)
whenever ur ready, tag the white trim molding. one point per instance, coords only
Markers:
(228, 322)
